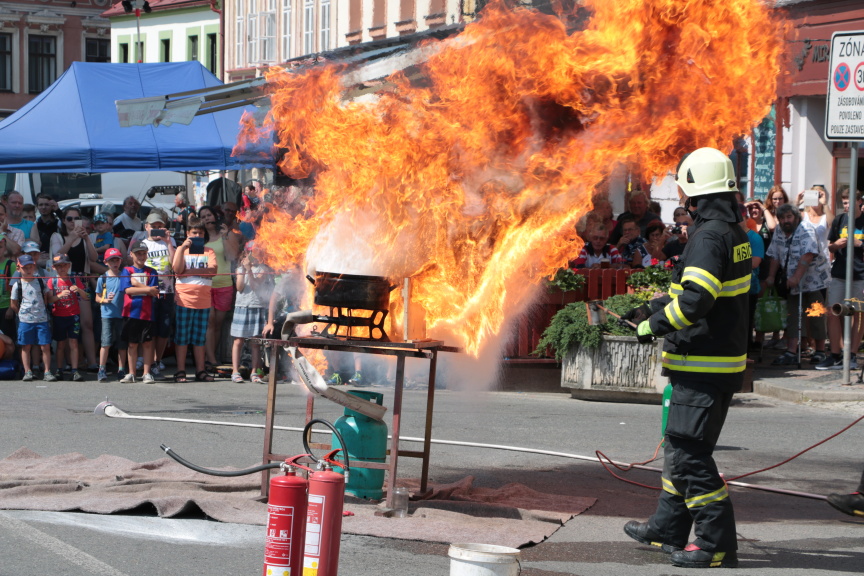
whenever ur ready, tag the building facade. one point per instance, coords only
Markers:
(39, 39)
(803, 156)
(263, 33)
(174, 31)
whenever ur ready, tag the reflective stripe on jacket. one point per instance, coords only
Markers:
(704, 320)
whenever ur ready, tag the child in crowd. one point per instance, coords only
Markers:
(254, 287)
(103, 239)
(160, 254)
(67, 315)
(28, 212)
(30, 300)
(110, 296)
(7, 315)
(194, 265)
(140, 284)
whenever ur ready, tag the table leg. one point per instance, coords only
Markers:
(427, 436)
(394, 443)
(269, 417)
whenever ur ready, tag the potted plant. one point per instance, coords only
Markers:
(605, 362)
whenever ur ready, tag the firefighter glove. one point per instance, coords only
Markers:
(638, 314)
(644, 334)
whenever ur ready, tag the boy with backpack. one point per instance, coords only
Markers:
(67, 315)
(30, 300)
(110, 296)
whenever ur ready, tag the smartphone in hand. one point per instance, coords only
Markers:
(197, 246)
(157, 233)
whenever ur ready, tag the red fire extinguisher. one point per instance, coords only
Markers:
(324, 519)
(286, 524)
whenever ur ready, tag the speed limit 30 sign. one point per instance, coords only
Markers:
(844, 113)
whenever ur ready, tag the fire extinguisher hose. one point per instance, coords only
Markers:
(307, 436)
(212, 472)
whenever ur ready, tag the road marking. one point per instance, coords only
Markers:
(65, 551)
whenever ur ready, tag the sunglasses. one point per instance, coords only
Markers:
(72, 218)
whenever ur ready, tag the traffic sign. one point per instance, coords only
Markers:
(844, 113)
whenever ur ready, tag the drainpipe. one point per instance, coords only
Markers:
(780, 110)
(213, 7)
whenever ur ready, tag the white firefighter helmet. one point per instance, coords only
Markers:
(706, 171)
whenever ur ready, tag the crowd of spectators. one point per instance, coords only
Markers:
(798, 249)
(112, 294)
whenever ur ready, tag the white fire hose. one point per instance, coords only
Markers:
(110, 410)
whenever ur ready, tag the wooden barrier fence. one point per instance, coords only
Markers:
(599, 285)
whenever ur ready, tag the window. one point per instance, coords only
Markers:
(286, 29)
(251, 39)
(324, 44)
(42, 62)
(97, 50)
(240, 35)
(6, 62)
(268, 31)
(193, 48)
(308, 26)
(166, 50)
(124, 53)
(212, 58)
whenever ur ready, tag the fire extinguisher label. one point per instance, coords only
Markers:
(277, 549)
(270, 570)
(312, 551)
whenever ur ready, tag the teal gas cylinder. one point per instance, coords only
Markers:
(667, 400)
(366, 441)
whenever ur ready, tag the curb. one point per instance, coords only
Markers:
(789, 394)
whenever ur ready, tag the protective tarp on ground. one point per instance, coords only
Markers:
(73, 125)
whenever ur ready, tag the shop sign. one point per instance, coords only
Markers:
(844, 113)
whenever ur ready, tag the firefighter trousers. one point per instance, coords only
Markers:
(693, 491)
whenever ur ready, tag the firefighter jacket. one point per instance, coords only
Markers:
(704, 318)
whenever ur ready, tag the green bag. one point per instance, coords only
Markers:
(770, 312)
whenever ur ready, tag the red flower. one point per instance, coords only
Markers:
(654, 261)
(668, 265)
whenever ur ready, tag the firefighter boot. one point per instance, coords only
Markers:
(851, 504)
(640, 532)
(694, 557)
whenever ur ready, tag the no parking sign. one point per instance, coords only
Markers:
(844, 113)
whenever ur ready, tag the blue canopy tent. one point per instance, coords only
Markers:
(73, 125)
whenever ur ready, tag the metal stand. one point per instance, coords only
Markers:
(427, 349)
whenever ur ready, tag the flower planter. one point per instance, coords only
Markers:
(620, 369)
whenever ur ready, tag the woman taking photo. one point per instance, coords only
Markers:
(73, 240)
(226, 245)
(776, 197)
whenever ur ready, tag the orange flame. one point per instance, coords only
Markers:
(471, 179)
(817, 309)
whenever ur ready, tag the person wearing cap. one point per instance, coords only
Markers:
(30, 300)
(160, 254)
(110, 296)
(140, 286)
(14, 237)
(103, 238)
(67, 315)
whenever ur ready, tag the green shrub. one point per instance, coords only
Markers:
(569, 326)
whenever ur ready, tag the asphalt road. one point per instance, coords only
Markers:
(777, 534)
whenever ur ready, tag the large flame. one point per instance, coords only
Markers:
(471, 178)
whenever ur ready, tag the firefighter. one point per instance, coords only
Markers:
(704, 322)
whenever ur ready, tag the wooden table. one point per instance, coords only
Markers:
(427, 349)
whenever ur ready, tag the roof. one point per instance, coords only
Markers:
(157, 6)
